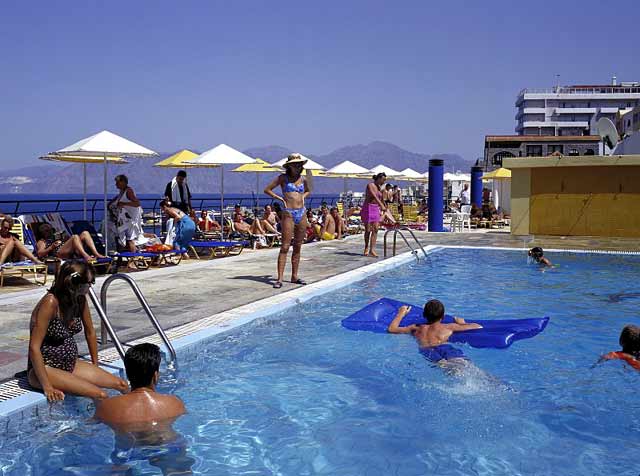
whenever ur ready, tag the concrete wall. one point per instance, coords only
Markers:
(576, 196)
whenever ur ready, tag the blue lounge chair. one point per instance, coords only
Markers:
(145, 259)
(217, 249)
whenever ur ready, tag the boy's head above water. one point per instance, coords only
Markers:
(536, 253)
(630, 340)
(433, 311)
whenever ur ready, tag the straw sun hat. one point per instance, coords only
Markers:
(295, 159)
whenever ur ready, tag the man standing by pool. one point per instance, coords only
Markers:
(177, 191)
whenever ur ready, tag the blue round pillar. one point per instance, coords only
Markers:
(476, 185)
(436, 199)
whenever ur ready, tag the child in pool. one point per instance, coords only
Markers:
(434, 333)
(630, 343)
(538, 255)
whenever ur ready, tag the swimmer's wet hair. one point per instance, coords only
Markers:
(141, 362)
(433, 311)
(630, 340)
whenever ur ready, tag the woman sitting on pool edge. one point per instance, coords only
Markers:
(53, 365)
(630, 343)
(434, 334)
(538, 255)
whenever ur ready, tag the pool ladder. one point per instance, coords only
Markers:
(398, 231)
(106, 328)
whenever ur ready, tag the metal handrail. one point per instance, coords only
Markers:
(106, 327)
(105, 324)
(398, 231)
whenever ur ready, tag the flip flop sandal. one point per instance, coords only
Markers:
(277, 285)
(299, 281)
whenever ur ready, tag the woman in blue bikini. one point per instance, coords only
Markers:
(294, 219)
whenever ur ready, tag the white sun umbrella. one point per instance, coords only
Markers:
(220, 155)
(388, 171)
(315, 167)
(347, 170)
(107, 145)
(412, 176)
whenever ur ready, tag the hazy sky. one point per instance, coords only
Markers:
(313, 76)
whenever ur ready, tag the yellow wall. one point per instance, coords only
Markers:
(520, 198)
(591, 200)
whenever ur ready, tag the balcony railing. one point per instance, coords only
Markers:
(587, 90)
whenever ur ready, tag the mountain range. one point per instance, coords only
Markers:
(146, 179)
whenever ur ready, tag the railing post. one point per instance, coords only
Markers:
(105, 322)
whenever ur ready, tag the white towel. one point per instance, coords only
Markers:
(175, 191)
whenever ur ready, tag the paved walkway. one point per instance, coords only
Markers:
(198, 289)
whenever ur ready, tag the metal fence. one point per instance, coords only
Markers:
(72, 209)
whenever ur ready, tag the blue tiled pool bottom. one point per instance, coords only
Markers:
(298, 394)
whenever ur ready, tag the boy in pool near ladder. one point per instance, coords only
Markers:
(433, 335)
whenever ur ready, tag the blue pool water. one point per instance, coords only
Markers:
(296, 394)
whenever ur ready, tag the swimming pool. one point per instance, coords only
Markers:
(296, 394)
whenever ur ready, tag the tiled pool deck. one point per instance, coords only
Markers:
(216, 292)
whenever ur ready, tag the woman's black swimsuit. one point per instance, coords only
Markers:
(59, 349)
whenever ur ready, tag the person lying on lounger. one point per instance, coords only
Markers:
(326, 231)
(339, 221)
(434, 333)
(11, 248)
(270, 220)
(48, 244)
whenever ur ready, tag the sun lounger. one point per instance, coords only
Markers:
(145, 259)
(24, 267)
(18, 230)
(217, 249)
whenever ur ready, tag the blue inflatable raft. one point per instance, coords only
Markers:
(497, 334)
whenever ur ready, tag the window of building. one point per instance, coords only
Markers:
(534, 151)
(497, 159)
(555, 148)
(589, 152)
(574, 152)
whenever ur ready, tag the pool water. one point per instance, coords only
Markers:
(297, 394)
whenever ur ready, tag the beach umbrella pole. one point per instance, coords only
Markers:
(222, 198)
(257, 191)
(84, 191)
(105, 227)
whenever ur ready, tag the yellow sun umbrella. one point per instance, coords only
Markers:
(259, 167)
(177, 160)
(498, 174)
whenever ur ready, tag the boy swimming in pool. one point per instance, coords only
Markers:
(630, 343)
(538, 255)
(434, 334)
